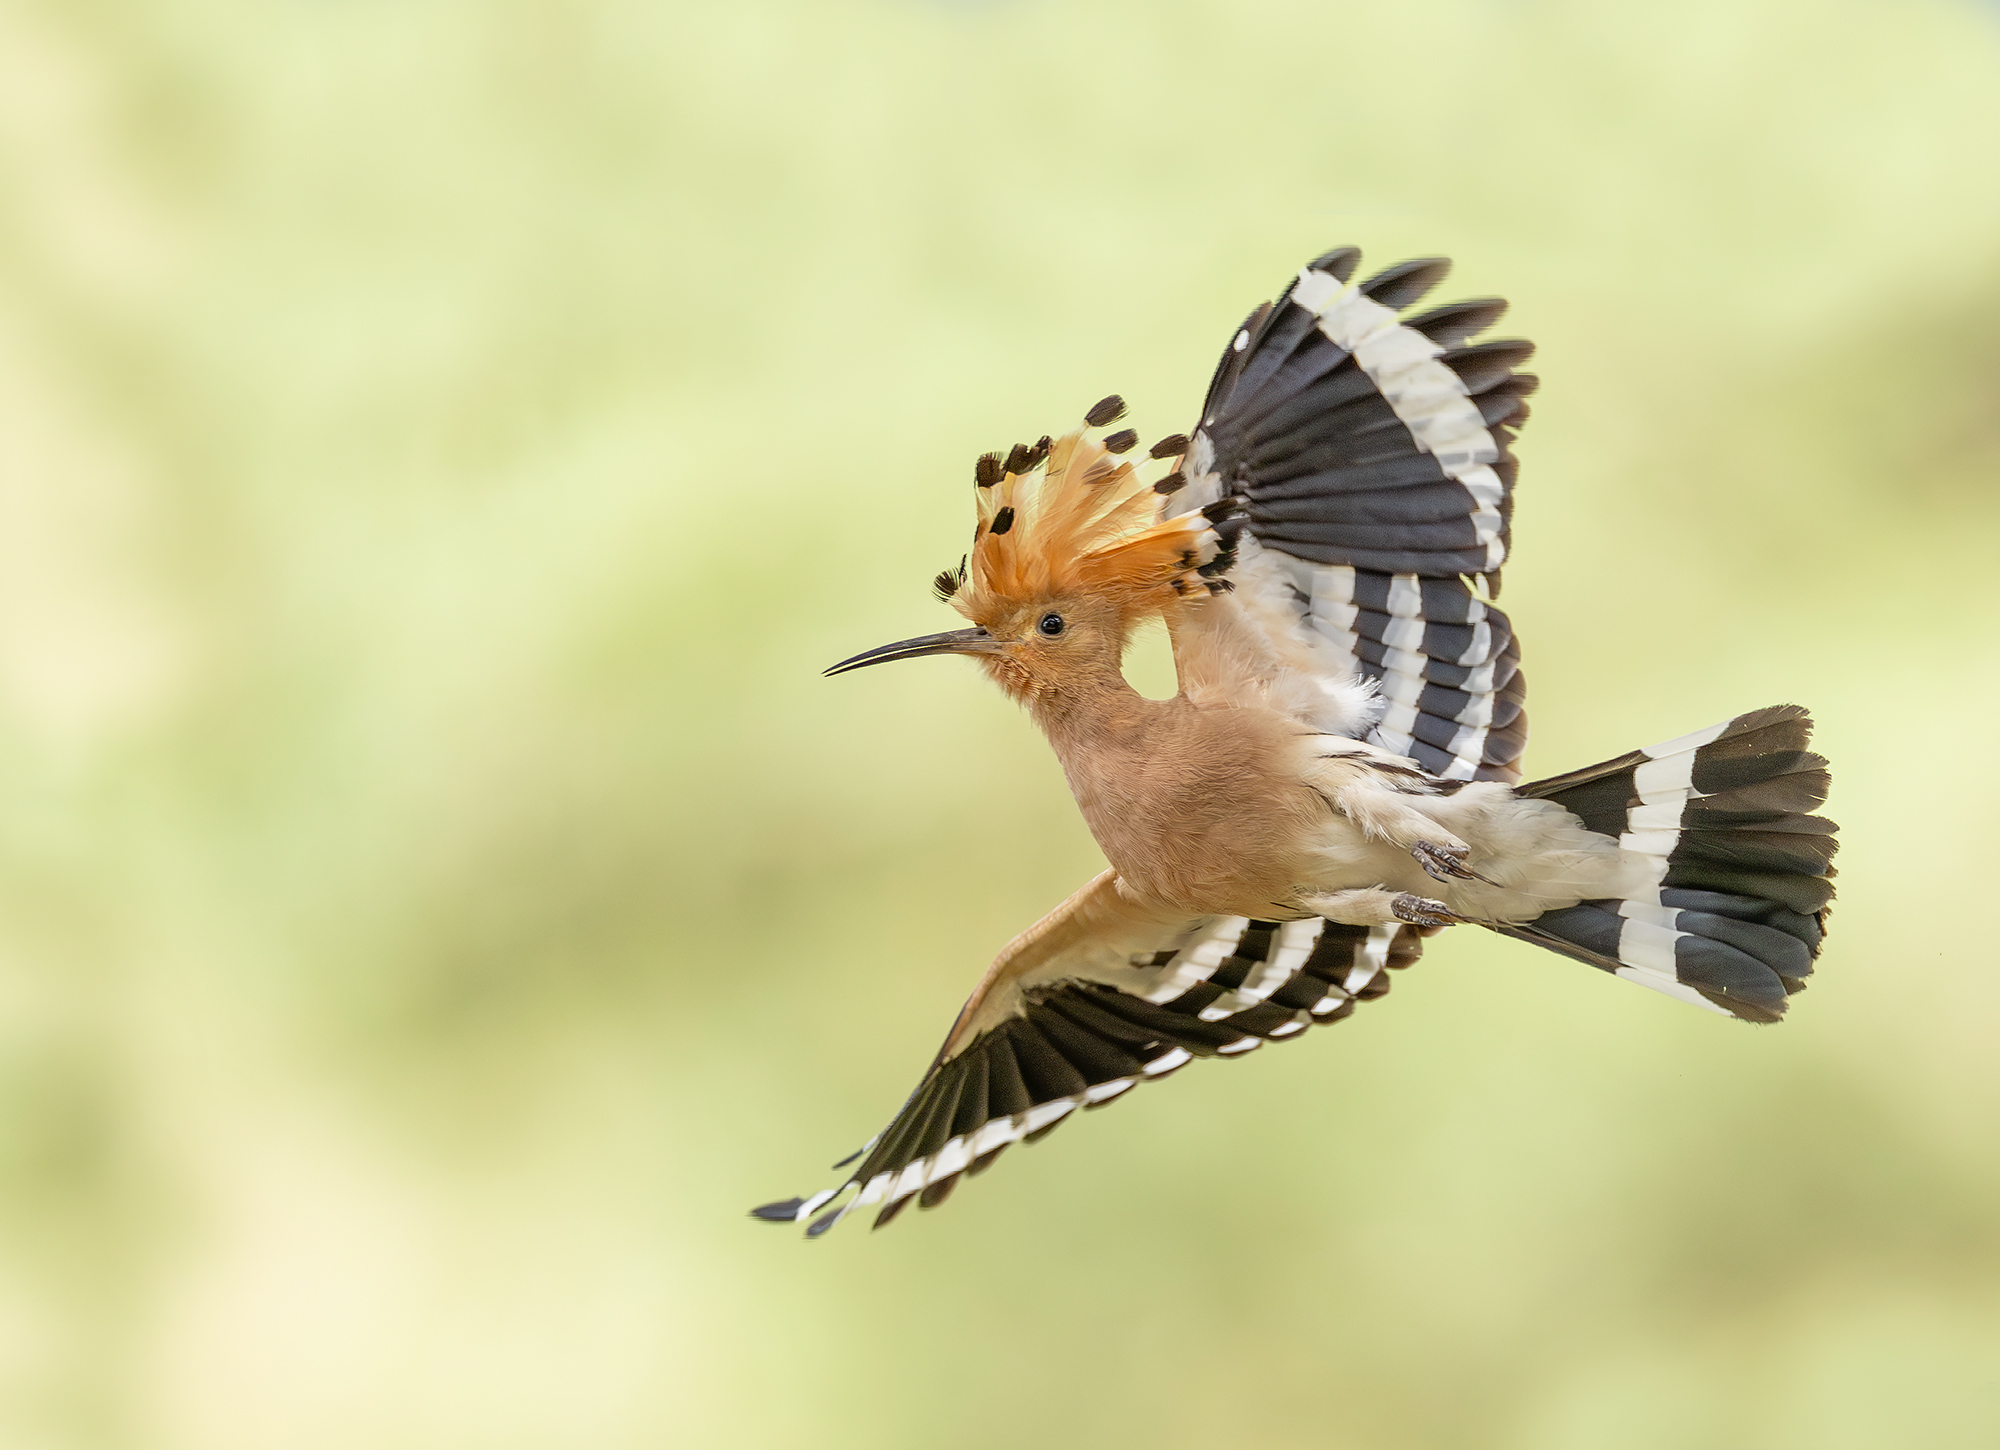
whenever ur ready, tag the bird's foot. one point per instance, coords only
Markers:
(1445, 863)
(1423, 911)
(1441, 863)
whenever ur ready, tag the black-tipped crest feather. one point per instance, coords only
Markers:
(1105, 411)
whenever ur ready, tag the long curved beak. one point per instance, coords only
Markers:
(952, 642)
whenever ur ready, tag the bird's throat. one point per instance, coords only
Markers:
(1084, 713)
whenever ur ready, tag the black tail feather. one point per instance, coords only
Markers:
(1744, 870)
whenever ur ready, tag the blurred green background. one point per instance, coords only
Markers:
(440, 442)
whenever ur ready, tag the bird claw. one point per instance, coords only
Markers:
(1423, 911)
(1443, 863)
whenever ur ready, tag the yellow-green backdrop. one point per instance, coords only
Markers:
(440, 442)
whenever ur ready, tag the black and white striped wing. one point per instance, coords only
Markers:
(1052, 1043)
(1372, 458)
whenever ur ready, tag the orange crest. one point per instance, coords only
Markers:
(1070, 516)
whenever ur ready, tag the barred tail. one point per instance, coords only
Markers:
(1742, 868)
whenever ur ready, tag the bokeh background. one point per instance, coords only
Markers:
(441, 441)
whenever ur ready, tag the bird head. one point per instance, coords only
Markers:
(1069, 553)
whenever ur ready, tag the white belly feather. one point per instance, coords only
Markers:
(1535, 855)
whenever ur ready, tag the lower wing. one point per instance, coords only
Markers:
(1091, 1001)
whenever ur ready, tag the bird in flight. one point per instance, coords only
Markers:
(1338, 778)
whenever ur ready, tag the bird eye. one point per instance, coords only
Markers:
(1051, 625)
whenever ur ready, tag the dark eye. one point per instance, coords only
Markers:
(1051, 625)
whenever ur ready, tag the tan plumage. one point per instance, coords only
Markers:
(1221, 801)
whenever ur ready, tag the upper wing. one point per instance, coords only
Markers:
(1372, 459)
(1092, 1000)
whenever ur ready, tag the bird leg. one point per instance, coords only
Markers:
(1385, 814)
(1379, 906)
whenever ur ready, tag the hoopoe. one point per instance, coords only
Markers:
(1338, 777)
